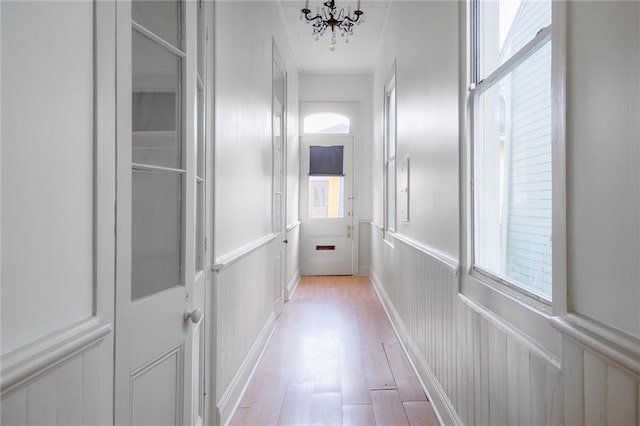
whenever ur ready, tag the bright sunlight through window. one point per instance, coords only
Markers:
(327, 123)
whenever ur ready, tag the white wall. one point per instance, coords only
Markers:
(423, 39)
(47, 168)
(243, 119)
(604, 161)
(244, 289)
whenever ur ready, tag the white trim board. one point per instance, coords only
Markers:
(231, 397)
(25, 364)
(226, 260)
(442, 405)
(292, 285)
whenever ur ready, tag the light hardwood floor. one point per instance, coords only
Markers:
(334, 360)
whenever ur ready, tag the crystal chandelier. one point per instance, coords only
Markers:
(329, 17)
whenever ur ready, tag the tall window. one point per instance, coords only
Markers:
(512, 180)
(390, 155)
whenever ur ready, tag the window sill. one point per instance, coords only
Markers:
(525, 317)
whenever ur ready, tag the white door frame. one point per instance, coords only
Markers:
(281, 227)
(352, 111)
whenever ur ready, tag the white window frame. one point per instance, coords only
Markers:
(528, 315)
(477, 86)
(389, 228)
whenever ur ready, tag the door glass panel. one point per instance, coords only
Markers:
(199, 240)
(157, 232)
(160, 17)
(201, 134)
(326, 197)
(202, 38)
(156, 104)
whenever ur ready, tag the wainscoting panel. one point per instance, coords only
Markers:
(597, 391)
(244, 321)
(476, 369)
(67, 394)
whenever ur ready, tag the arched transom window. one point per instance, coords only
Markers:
(327, 123)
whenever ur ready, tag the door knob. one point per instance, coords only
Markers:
(195, 315)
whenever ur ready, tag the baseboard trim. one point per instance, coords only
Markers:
(231, 397)
(293, 284)
(25, 364)
(442, 405)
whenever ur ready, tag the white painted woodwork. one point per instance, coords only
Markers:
(495, 377)
(243, 295)
(338, 232)
(153, 370)
(47, 168)
(65, 394)
(364, 247)
(279, 164)
(292, 253)
(58, 248)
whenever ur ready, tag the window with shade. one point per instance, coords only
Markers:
(511, 143)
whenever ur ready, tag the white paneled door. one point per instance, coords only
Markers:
(159, 214)
(326, 205)
(278, 130)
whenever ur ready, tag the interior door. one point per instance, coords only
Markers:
(198, 337)
(326, 205)
(279, 199)
(278, 204)
(156, 229)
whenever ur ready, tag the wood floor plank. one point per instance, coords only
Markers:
(244, 416)
(409, 388)
(355, 387)
(326, 409)
(358, 415)
(296, 406)
(420, 413)
(271, 396)
(388, 408)
(377, 367)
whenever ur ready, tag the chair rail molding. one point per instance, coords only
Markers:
(617, 347)
(226, 260)
(24, 364)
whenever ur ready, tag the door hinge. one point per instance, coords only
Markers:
(205, 244)
(206, 34)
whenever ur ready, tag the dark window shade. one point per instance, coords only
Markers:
(326, 161)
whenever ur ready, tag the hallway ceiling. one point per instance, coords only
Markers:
(356, 56)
